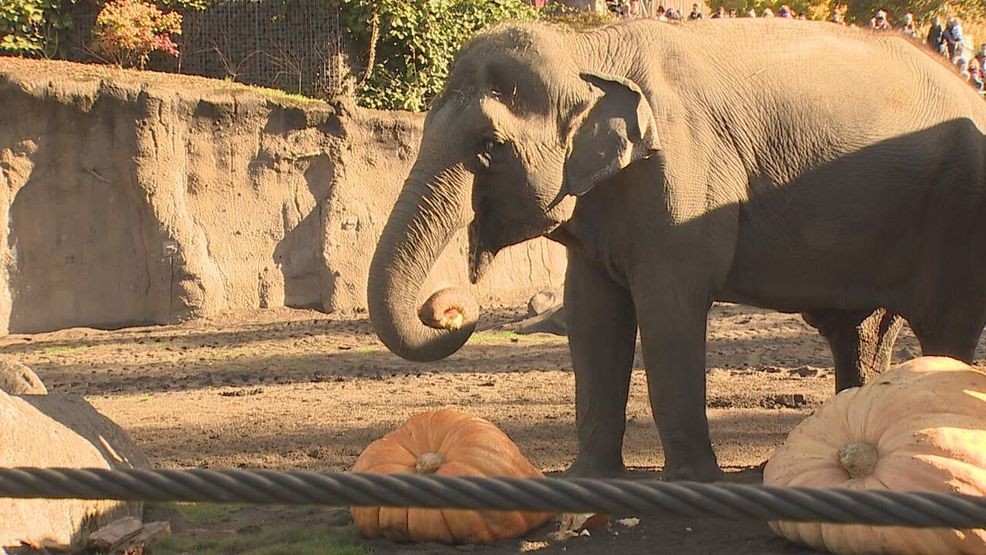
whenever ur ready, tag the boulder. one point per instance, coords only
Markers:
(60, 431)
(551, 321)
(546, 313)
(18, 379)
(544, 300)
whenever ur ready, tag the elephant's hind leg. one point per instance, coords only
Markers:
(952, 333)
(862, 342)
(602, 336)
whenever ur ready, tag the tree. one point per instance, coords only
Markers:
(31, 27)
(407, 46)
(127, 31)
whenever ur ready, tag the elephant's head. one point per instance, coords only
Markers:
(520, 130)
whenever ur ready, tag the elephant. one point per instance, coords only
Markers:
(772, 163)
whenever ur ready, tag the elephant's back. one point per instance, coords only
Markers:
(859, 73)
(848, 138)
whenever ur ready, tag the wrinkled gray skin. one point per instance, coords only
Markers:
(773, 163)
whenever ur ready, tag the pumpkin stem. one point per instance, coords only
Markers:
(428, 463)
(858, 459)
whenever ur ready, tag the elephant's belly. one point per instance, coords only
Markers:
(784, 298)
(817, 264)
(878, 240)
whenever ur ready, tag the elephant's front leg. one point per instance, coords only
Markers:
(602, 336)
(672, 315)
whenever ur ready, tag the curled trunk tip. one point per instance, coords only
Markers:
(449, 309)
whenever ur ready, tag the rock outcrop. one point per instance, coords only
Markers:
(60, 431)
(545, 314)
(134, 197)
(17, 379)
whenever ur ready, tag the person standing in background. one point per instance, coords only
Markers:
(936, 36)
(880, 21)
(908, 27)
(953, 36)
(976, 74)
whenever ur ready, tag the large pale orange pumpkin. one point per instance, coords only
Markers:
(918, 427)
(446, 443)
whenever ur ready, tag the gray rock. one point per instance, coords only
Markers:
(544, 300)
(551, 321)
(60, 431)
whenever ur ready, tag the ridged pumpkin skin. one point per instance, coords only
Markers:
(446, 443)
(918, 427)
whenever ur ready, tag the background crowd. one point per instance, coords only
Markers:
(944, 37)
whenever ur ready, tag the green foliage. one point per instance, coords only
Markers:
(488, 337)
(30, 27)
(127, 31)
(814, 9)
(575, 18)
(35, 27)
(200, 513)
(860, 11)
(184, 6)
(405, 47)
(210, 536)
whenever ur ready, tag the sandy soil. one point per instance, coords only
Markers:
(300, 389)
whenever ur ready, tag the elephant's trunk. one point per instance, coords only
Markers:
(430, 209)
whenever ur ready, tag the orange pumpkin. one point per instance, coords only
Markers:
(445, 443)
(918, 427)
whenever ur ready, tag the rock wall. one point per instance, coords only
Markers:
(133, 197)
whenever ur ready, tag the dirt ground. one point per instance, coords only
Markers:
(304, 390)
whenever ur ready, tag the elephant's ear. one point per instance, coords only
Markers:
(609, 133)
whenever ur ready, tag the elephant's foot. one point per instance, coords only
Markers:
(583, 467)
(705, 472)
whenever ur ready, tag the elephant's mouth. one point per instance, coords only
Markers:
(484, 246)
(480, 254)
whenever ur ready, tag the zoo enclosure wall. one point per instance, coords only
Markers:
(137, 197)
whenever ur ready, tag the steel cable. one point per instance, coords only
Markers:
(622, 497)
